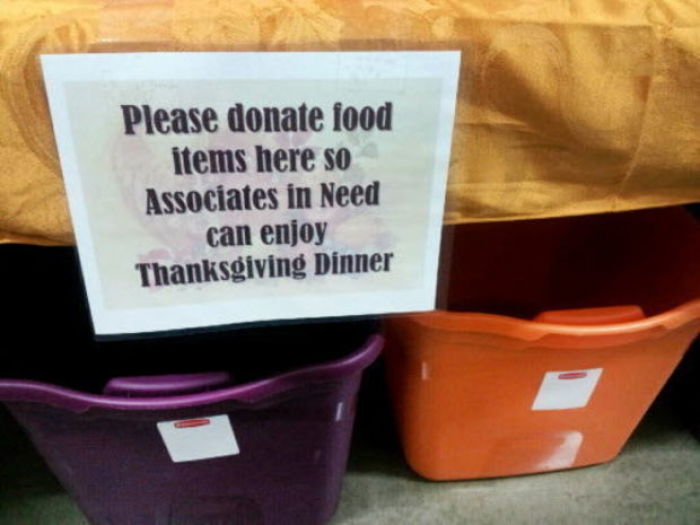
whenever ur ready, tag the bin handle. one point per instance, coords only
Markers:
(592, 316)
(154, 386)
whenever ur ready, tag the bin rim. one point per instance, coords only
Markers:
(529, 330)
(19, 390)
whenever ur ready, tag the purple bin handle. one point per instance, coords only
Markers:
(16, 390)
(157, 386)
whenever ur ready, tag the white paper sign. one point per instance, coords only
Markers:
(566, 389)
(217, 188)
(197, 439)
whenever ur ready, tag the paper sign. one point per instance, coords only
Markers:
(217, 188)
(566, 389)
(197, 439)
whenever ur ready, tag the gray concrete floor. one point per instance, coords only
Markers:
(656, 480)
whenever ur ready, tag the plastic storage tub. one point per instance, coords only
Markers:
(288, 393)
(187, 450)
(557, 337)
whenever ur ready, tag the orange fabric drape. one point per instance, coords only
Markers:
(565, 107)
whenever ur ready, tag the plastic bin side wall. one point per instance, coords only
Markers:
(463, 401)
(293, 453)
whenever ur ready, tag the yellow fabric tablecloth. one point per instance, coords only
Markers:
(565, 106)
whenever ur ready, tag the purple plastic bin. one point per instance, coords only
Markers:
(292, 430)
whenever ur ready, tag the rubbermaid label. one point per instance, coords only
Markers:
(199, 438)
(566, 389)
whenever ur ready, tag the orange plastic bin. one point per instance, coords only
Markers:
(557, 337)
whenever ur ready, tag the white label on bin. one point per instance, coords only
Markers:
(216, 188)
(566, 389)
(200, 438)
